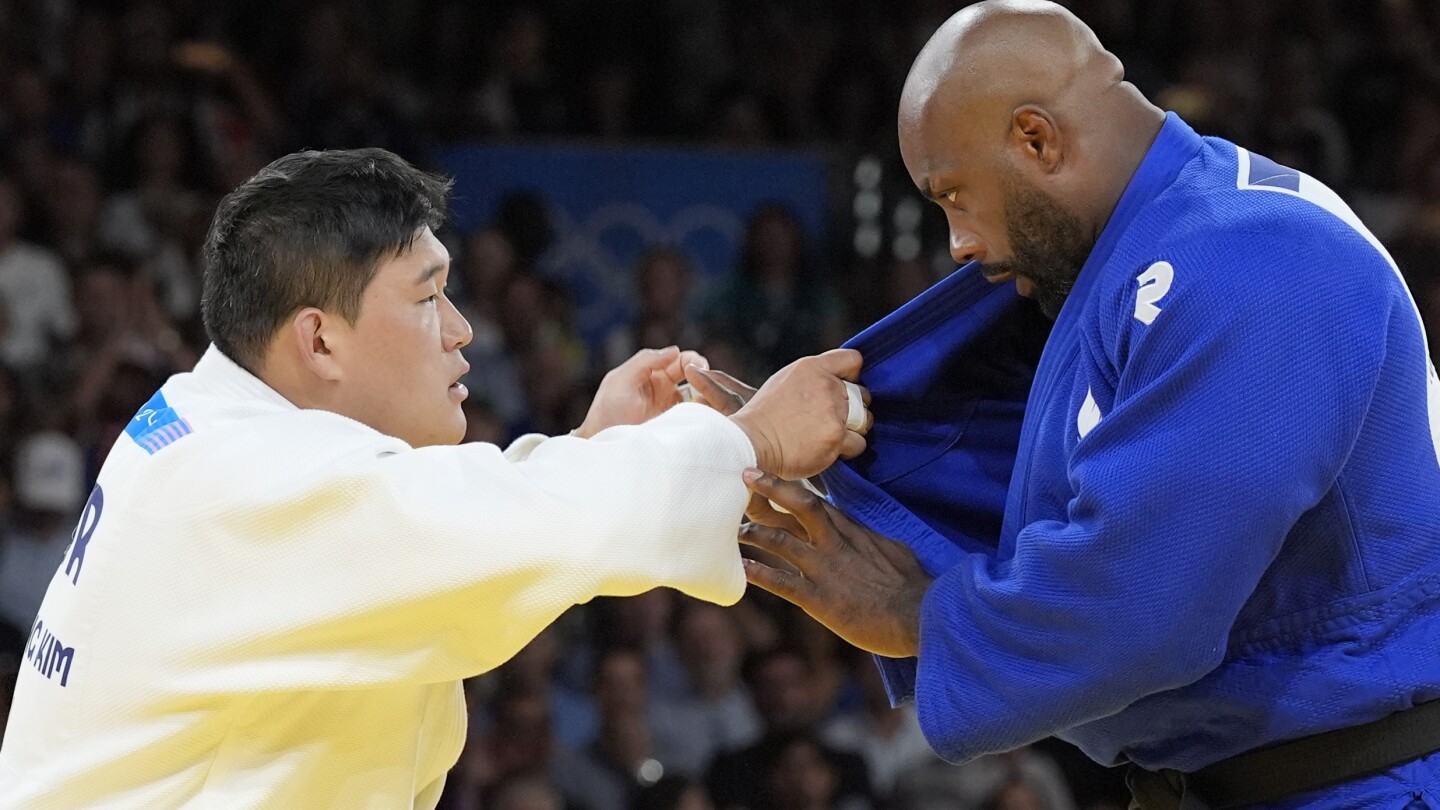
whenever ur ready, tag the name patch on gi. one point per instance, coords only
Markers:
(48, 655)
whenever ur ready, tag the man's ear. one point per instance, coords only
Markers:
(317, 336)
(1034, 130)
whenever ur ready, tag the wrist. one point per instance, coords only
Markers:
(758, 441)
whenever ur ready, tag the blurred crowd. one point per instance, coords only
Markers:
(123, 122)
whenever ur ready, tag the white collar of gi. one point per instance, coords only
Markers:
(218, 370)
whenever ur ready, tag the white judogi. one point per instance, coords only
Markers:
(273, 607)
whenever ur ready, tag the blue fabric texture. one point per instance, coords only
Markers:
(1220, 526)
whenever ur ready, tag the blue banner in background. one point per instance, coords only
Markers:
(610, 205)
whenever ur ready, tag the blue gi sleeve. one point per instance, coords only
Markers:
(1234, 409)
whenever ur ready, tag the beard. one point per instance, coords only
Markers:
(1049, 244)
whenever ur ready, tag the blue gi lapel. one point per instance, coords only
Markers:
(948, 375)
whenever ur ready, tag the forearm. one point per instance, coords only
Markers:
(442, 562)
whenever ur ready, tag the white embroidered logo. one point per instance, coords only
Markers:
(1089, 414)
(1154, 284)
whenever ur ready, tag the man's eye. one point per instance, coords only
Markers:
(429, 300)
(951, 195)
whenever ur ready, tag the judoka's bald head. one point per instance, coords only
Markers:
(1021, 126)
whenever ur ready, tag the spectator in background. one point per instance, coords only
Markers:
(121, 323)
(482, 423)
(147, 83)
(129, 387)
(1306, 135)
(236, 118)
(642, 623)
(663, 280)
(781, 683)
(1428, 293)
(33, 286)
(487, 268)
(608, 109)
(29, 103)
(13, 416)
(889, 740)
(985, 783)
(9, 668)
(1016, 795)
(148, 220)
(487, 264)
(712, 653)
(84, 104)
(1417, 246)
(49, 490)
(741, 121)
(528, 793)
(522, 744)
(524, 219)
(521, 95)
(538, 323)
(532, 671)
(805, 777)
(70, 209)
(776, 307)
(672, 793)
(640, 739)
(831, 687)
(343, 96)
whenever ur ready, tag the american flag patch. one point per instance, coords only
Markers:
(157, 425)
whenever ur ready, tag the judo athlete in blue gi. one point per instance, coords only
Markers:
(1198, 529)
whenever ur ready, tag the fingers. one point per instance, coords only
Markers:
(782, 544)
(676, 369)
(657, 358)
(793, 588)
(647, 360)
(761, 511)
(843, 363)
(738, 386)
(716, 395)
(663, 392)
(807, 507)
(853, 445)
(693, 358)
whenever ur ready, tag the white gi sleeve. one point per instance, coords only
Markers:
(388, 564)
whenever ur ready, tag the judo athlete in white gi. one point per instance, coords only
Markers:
(285, 570)
(1218, 559)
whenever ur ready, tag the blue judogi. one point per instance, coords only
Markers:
(1222, 524)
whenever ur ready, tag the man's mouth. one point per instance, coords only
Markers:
(458, 388)
(997, 275)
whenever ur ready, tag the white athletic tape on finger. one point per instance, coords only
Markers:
(855, 418)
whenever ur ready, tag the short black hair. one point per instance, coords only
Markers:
(309, 230)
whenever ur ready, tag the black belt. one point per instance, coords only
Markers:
(1296, 766)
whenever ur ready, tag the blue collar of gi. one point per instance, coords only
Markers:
(949, 374)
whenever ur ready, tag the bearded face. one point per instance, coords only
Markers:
(1048, 244)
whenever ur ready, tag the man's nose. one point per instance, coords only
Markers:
(455, 330)
(966, 248)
